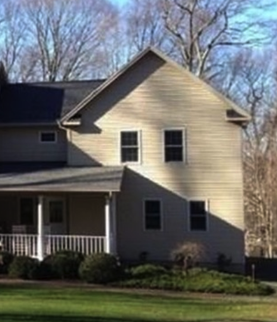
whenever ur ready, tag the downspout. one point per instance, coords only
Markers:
(68, 138)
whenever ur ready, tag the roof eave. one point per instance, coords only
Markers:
(55, 189)
(242, 121)
(28, 124)
(72, 122)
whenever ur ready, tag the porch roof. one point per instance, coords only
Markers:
(42, 177)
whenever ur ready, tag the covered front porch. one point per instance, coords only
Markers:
(30, 244)
(74, 210)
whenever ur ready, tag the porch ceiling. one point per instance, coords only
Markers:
(44, 178)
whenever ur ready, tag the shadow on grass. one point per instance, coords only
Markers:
(9, 317)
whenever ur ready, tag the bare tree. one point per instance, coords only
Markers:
(254, 87)
(12, 33)
(64, 38)
(3, 74)
(203, 30)
(260, 165)
(145, 26)
(203, 35)
(116, 51)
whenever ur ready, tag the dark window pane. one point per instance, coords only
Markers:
(152, 207)
(48, 137)
(198, 215)
(152, 214)
(173, 154)
(56, 211)
(129, 138)
(129, 155)
(27, 211)
(198, 223)
(197, 208)
(173, 145)
(174, 137)
(153, 222)
(129, 147)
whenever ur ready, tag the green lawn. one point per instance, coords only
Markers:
(53, 304)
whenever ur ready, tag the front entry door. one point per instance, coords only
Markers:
(55, 209)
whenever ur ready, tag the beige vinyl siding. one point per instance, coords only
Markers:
(153, 96)
(22, 144)
(86, 214)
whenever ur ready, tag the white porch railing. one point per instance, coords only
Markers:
(21, 245)
(26, 244)
(84, 244)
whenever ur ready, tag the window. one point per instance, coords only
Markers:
(27, 209)
(48, 137)
(129, 141)
(152, 215)
(198, 215)
(173, 146)
(56, 211)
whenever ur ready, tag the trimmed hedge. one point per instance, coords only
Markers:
(24, 267)
(6, 259)
(63, 265)
(198, 280)
(99, 269)
(147, 270)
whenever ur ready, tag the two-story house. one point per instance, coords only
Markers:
(135, 164)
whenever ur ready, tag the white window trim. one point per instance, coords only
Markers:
(48, 142)
(207, 206)
(161, 215)
(139, 132)
(184, 136)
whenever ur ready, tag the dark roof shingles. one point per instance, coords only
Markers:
(42, 102)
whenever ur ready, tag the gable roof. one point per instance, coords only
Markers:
(241, 114)
(42, 103)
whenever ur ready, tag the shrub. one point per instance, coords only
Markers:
(147, 270)
(63, 264)
(43, 271)
(162, 282)
(99, 269)
(200, 280)
(5, 260)
(188, 254)
(216, 282)
(24, 267)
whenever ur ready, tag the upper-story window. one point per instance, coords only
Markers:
(198, 215)
(48, 137)
(129, 146)
(174, 145)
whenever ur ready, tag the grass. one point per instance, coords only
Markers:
(36, 303)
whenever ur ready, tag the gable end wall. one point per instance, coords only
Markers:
(153, 96)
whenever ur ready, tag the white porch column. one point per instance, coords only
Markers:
(40, 244)
(114, 229)
(110, 224)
